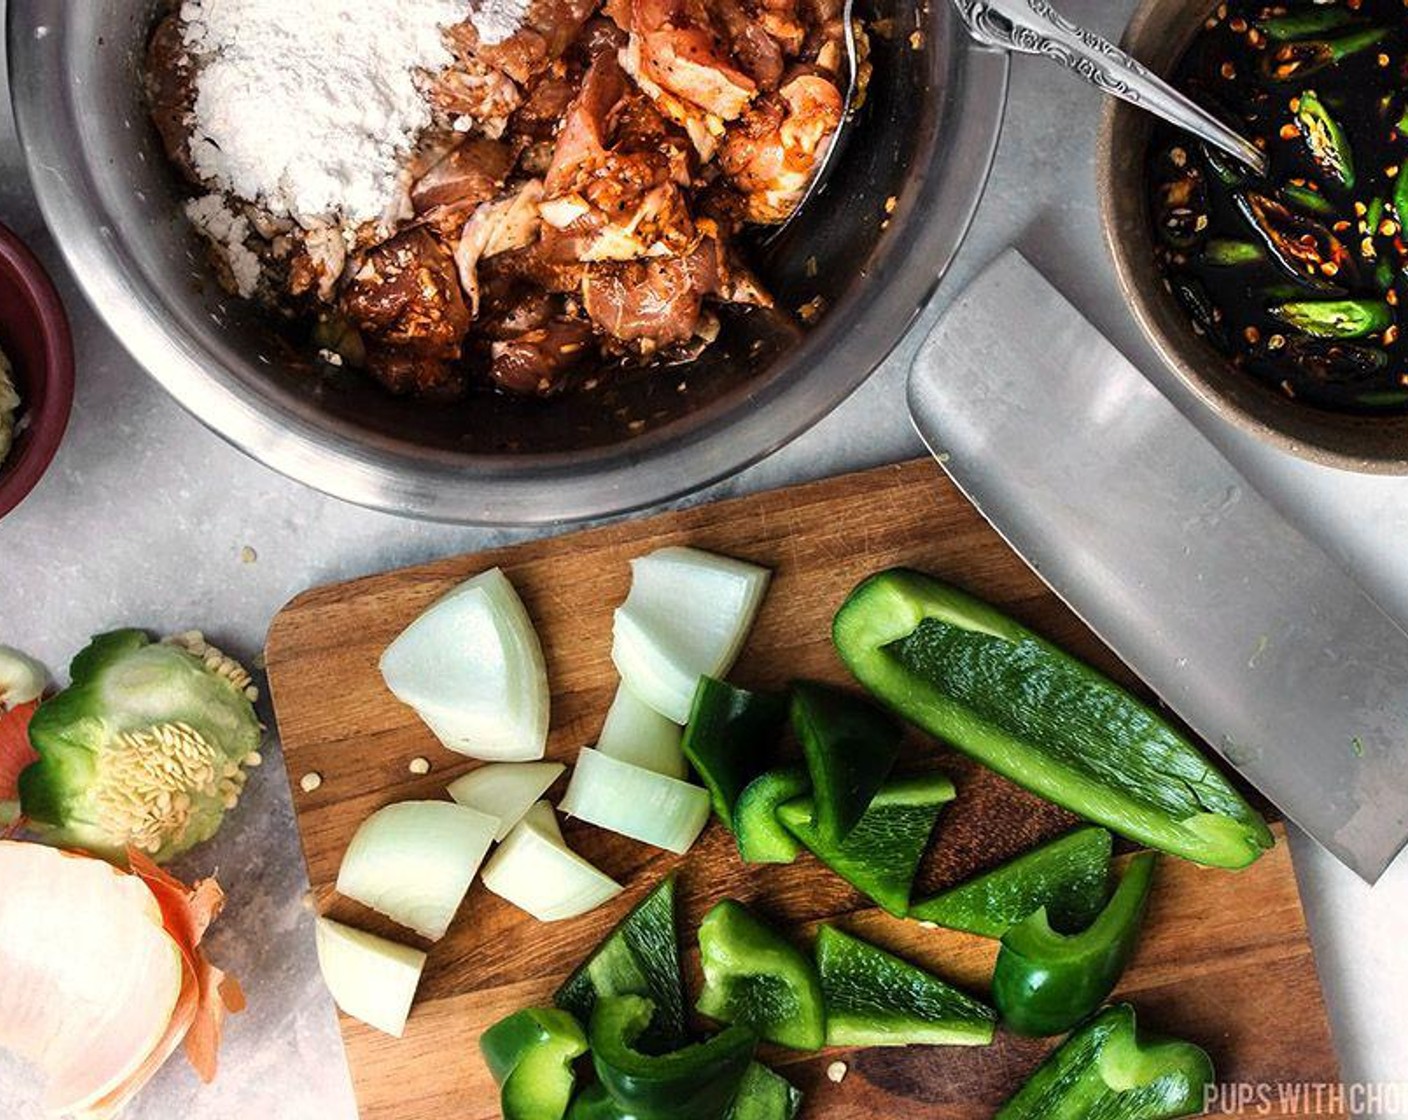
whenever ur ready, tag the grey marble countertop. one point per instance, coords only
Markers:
(148, 519)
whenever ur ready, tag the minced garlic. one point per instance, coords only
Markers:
(9, 406)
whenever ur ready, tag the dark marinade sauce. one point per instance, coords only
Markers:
(1299, 278)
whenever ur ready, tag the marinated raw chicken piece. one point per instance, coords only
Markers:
(549, 28)
(405, 299)
(497, 227)
(473, 90)
(470, 174)
(771, 154)
(539, 361)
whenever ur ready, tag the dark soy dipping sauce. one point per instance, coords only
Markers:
(1320, 241)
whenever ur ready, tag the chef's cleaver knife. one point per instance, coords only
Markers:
(1240, 623)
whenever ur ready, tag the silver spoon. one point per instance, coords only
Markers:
(1034, 27)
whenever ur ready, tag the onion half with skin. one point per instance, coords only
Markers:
(472, 668)
(636, 802)
(687, 615)
(414, 861)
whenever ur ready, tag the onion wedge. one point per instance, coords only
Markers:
(414, 861)
(22, 679)
(536, 871)
(636, 733)
(505, 790)
(636, 802)
(472, 668)
(687, 615)
(370, 978)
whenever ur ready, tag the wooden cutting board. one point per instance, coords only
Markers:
(1225, 961)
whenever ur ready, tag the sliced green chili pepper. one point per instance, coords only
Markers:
(1302, 25)
(988, 686)
(640, 957)
(1227, 169)
(1388, 398)
(1326, 140)
(1225, 253)
(1070, 877)
(1106, 1071)
(1046, 982)
(1195, 300)
(530, 1055)
(1301, 246)
(754, 977)
(876, 999)
(1335, 363)
(851, 747)
(764, 1095)
(1385, 274)
(730, 738)
(881, 856)
(1339, 318)
(1301, 59)
(698, 1082)
(1312, 201)
(762, 838)
(1181, 207)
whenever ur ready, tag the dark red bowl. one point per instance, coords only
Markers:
(34, 335)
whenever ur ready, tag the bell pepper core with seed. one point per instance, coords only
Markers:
(754, 977)
(730, 738)
(530, 1055)
(1045, 982)
(965, 672)
(1070, 877)
(698, 1082)
(1106, 1069)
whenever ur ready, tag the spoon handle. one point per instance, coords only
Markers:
(1034, 27)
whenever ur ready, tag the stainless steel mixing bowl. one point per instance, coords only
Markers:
(872, 248)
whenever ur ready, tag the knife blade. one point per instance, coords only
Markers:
(1239, 622)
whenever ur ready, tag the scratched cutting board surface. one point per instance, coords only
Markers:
(1225, 960)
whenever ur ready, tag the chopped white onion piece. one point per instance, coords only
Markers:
(636, 802)
(535, 871)
(414, 861)
(687, 616)
(636, 733)
(543, 819)
(22, 679)
(370, 978)
(472, 668)
(505, 790)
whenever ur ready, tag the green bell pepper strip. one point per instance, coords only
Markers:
(755, 978)
(698, 1082)
(1046, 982)
(850, 746)
(764, 1095)
(730, 739)
(876, 999)
(530, 1055)
(595, 1103)
(966, 673)
(1070, 877)
(1336, 319)
(881, 856)
(1106, 1071)
(1326, 140)
(640, 957)
(762, 838)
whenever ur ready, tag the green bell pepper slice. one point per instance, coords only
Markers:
(640, 957)
(1070, 877)
(730, 739)
(530, 1055)
(762, 838)
(876, 999)
(965, 672)
(850, 746)
(1107, 1071)
(765, 1095)
(1046, 982)
(697, 1082)
(595, 1103)
(881, 856)
(754, 977)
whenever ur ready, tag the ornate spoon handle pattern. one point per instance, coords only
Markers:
(1035, 27)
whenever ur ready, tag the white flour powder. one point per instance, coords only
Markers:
(309, 106)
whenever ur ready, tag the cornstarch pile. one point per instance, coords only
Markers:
(308, 107)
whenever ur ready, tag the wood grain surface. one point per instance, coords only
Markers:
(1226, 960)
